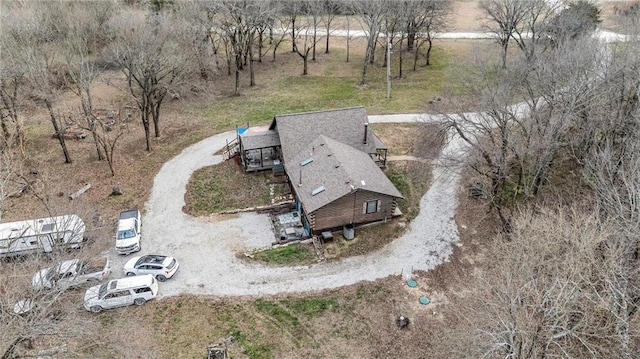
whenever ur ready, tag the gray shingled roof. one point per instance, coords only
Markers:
(344, 125)
(338, 168)
(255, 140)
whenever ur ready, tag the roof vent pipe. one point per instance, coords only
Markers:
(364, 141)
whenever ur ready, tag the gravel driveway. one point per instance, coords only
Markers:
(207, 248)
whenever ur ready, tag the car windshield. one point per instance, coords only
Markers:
(103, 291)
(129, 233)
(171, 264)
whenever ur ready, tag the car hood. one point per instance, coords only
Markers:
(131, 263)
(91, 295)
(120, 243)
(40, 281)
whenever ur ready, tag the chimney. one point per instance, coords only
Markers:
(364, 141)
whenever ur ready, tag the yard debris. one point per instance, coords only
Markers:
(17, 193)
(402, 322)
(71, 132)
(116, 191)
(79, 192)
(476, 189)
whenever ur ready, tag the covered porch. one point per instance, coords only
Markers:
(260, 149)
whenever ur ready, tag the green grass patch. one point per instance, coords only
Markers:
(291, 254)
(225, 187)
(311, 307)
(277, 312)
(332, 83)
(250, 348)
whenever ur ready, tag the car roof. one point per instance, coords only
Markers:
(153, 259)
(128, 282)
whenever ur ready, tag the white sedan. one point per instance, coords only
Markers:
(161, 267)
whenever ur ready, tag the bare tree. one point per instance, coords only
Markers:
(514, 147)
(198, 20)
(42, 322)
(535, 26)
(425, 19)
(550, 295)
(239, 21)
(12, 76)
(45, 78)
(150, 57)
(84, 25)
(508, 16)
(108, 134)
(331, 8)
(371, 14)
(305, 33)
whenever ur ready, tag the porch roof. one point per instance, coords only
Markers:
(257, 140)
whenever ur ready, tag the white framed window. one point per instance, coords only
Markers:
(371, 207)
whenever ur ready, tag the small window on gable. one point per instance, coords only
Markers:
(371, 206)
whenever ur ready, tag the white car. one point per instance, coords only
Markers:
(161, 267)
(129, 232)
(121, 292)
(71, 273)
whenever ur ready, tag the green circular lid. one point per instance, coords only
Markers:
(424, 300)
(412, 283)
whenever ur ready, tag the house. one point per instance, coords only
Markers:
(333, 161)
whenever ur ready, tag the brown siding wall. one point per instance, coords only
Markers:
(342, 211)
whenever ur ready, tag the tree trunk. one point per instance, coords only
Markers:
(147, 130)
(156, 117)
(59, 134)
(293, 35)
(415, 56)
(87, 108)
(252, 77)
(5, 131)
(428, 55)
(315, 30)
(326, 46)
(92, 128)
(364, 71)
(305, 61)
(348, 38)
(400, 57)
(237, 88)
(411, 38)
(505, 48)
(260, 39)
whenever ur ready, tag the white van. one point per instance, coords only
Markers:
(40, 235)
(121, 292)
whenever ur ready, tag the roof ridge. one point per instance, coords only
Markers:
(319, 111)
